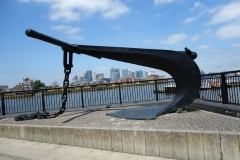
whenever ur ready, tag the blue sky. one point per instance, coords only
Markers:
(211, 28)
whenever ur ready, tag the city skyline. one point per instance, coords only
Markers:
(210, 28)
(125, 74)
(85, 77)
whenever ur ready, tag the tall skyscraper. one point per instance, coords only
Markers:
(125, 73)
(115, 74)
(94, 77)
(85, 77)
(89, 76)
(99, 77)
(139, 74)
(145, 74)
(131, 74)
(75, 80)
(80, 79)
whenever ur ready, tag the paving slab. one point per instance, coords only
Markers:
(12, 149)
(164, 136)
(97, 118)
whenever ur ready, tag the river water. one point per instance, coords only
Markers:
(95, 97)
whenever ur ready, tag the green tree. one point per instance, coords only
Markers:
(38, 84)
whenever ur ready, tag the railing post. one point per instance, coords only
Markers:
(3, 105)
(82, 97)
(156, 89)
(43, 101)
(224, 89)
(120, 96)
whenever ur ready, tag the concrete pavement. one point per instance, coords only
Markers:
(193, 135)
(28, 150)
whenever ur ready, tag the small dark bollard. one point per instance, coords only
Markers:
(179, 64)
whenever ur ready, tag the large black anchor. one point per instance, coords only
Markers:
(179, 64)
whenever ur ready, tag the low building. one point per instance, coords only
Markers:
(27, 84)
(3, 87)
(153, 77)
(121, 80)
(162, 77)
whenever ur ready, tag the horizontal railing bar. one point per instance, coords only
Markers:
(93, 94)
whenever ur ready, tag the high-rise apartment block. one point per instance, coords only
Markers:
(127, 76)
(75, 80)
(85, 76)
(99, 77)
(81, 79)
(94, 78)
(115, 74)
(89, 76)
(139, 74)
(131, 74)
(146, 74)
(125, 73)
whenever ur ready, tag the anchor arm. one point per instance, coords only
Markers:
(66, 46)
(179, 64)
(43, 37)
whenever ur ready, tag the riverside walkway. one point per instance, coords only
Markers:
(192, 135)
(12, 149)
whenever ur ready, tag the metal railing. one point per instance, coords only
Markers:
(221, 87)
(84, 96)
(218, 87)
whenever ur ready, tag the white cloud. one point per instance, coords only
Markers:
(190, 19)
(197, 5)
(207, 31)
(195, 37)
(218, 61)
(66, 29)
(203, 46)
(235, 45)
(228, 31)
(215, 51)
(72, 32)
(72, 10)
(174, 39)
(77, 37)
(159, 2)
(226, 13)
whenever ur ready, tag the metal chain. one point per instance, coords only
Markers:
(64, 95)
(67, 71)
(45, 115)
